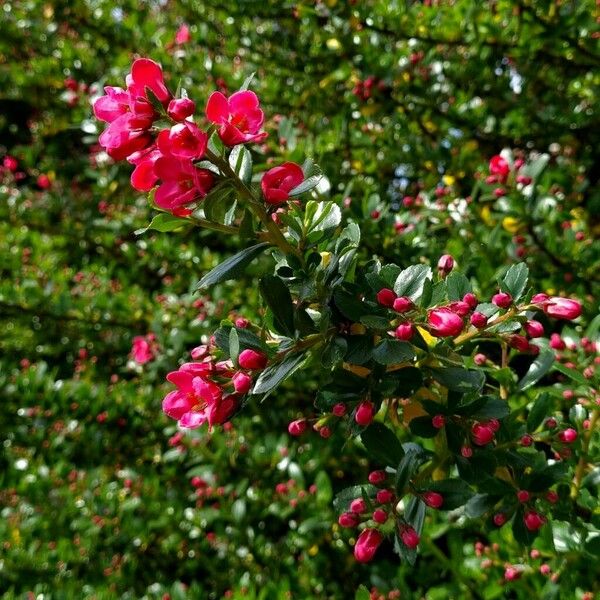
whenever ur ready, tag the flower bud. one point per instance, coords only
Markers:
(386, 297)
(410, 538)
(380, 516)
(523, 496)
(552, 497)
(479, 320)
(568, 436)
(526, 440)
(533, 520)
(438, 421)
(403, 304)
(502, 299)
(482, 434)
(339, 410)
(534, 329)
(445, 264)
(376, 477)
(499, 519)
(384, 496)
(462, 309)
(366, 545)
(466, 452)
(470, 299)
(252, 360)
(444, 323)
(364, 413)
(242, 323)
(518, 342)
(297, 428)
(181, 108)
(242, 382)
(358, 506)
(539, 298)
(433, 499)
(404, 331)
(511, 573)
(480, 359)
(348, 519)
(562, 308)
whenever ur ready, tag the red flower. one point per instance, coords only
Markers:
(499, 166)
(278, 182)
(239, 118)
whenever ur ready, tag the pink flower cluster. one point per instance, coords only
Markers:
(209, 391)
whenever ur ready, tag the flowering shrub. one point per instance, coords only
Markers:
(439, 381)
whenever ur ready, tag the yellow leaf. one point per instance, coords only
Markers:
(429, 339)
(511, 224)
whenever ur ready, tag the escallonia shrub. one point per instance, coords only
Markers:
(437, 381)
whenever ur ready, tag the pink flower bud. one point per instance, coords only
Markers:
(552, 497)
(297, 428)
(533, 520)
(410, 538)
(358, 506)
(545, 569)
(181, 108)
(523, 496)
(252, 360)
(364, 413)
(44, 182)
(499, 519)
(482, 434)
(539, 298)
(466, 452)
(499, 166)
(384, 496)
(445, 264)
(479, 320)
(366, 545)
(562, 308)
(377, 477)
(534, 329)
(459, 307)
(339, 410)
(386, 297)
(480, 359)
(551, 423)
(380, 516)
(325, 432)
(518, 342)
(471, 299)
(499, 192)
(438, 421)
(433, 499)
(511, 573)
(502, 299)
(444, 323)
(404, 331)
(279, 181)
(242, 323)
(526, 440)
(242, 382)
(402, 304)
(348, 519)
(568, 436)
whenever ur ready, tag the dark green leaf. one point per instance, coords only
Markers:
(539, 410)
(274, 374)
(382, 444)
(538, 368)
(393, 352)
(515, 280)
(278, 298)
(342, 501)
(234, 345)
(457, 285)
(410, 281)
(422, 427)
(232, 267)
(455, 492)
(164, 222)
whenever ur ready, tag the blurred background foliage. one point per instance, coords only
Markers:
(392, 99)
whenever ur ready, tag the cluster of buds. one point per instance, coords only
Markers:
(364, 89)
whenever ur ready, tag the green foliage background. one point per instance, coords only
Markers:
(95, 502)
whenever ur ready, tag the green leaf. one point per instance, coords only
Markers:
(393, 352)
(458, 379)
(240, 160)
(407, 467)
(246, 84)
(382, 444)
(456, 492)
(410, 281)
(457, 285)
(321, 216)
(234, 345)
(423, 427)
(275, 374)
(479, 504)
(571, 373)
(231, 267)
(484, 407)
(538, 368)
(246, 338)
(362, 593)
(539, 410)
(164, 222)
(515, 280)
(279, 300)
(309, 183)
